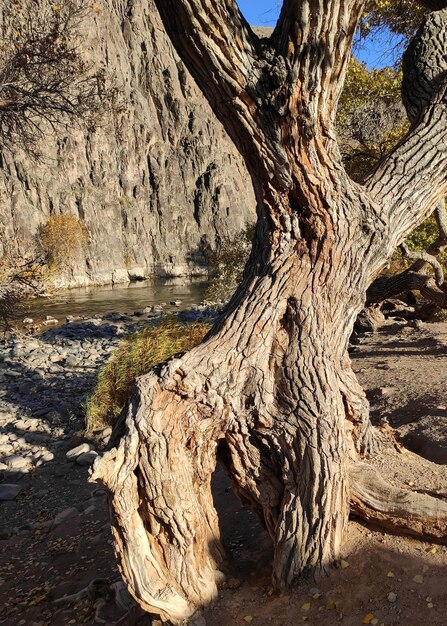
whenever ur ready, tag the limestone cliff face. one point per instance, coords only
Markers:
(156, 182)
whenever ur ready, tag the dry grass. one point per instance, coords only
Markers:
(135, 356)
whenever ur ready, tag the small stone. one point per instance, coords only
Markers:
(86, 458)
(392, 597)
(16, 462)
(5, 448)
(72, 361)
(175, 302)
(386, 392)
(75, 452)
(46, 456)
(27, 321)
(65, 515)
(9, 491)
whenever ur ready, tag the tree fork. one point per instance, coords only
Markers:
(271, 390)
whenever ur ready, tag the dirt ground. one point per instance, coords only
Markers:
(381, 579)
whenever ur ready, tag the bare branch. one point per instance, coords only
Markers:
(427, 258)
(44, 80)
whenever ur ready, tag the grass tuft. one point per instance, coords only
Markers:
(135, 356)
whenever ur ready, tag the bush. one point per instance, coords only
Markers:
(135, 356)
(22, 275)
(227, 265)
(61, 238)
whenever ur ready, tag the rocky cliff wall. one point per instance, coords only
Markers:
(156, 182)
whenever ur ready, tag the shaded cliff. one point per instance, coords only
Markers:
(156, 182)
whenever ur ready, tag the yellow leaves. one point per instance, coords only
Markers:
(419, 579)
(363, 85)
(401, 17)
(56, 8)
(248, 618)
(368, 618)
(344, 564)
(390, 574)
(61, 238)
(330, 605)
(305, 606)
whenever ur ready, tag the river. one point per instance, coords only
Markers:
(125, 298)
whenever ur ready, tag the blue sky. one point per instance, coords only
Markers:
(376, 52)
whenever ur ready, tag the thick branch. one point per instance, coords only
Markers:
(315, 38)
(391, 286)
(233, 69)
(412, 179)
(426, 258)
(440, 245)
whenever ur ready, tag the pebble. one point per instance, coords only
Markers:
(16, 462)
(392, 597)
(5, 448)
(65, 515)
(86, 458)
(75, 452)
(9, 491)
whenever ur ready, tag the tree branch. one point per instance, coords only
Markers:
(412, 179)
(222, 53)
(315, 38)
(426, 258)
(386, 287)
(440, 245)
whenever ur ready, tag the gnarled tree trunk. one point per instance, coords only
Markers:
(270, 392)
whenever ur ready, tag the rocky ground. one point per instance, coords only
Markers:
(57, 564)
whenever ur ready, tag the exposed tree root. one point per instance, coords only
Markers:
(400, 510)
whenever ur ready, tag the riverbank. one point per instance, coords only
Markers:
(55, 542)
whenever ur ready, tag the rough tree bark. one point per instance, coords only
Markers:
(270, 392)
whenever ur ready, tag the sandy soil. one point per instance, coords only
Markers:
(382, 579)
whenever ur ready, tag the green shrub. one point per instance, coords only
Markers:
(135, 356)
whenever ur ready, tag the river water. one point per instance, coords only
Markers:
(125, 298)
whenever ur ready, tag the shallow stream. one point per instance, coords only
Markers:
(125, 298)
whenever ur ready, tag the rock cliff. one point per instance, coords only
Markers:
(156, 182)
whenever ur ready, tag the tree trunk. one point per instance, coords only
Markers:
(270, 392)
